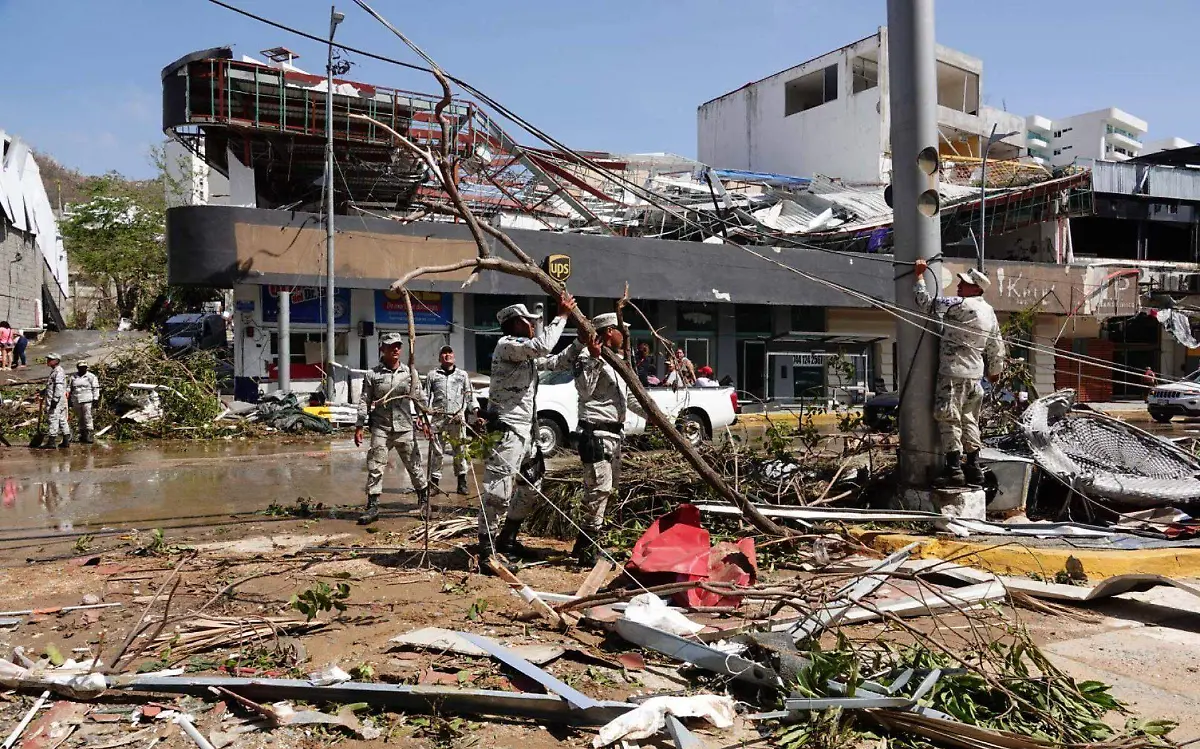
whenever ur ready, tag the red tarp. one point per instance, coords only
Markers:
(675, 548)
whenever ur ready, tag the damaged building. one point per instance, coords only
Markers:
(35, 285)
(689, 237)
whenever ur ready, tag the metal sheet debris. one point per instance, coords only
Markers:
(704, 656)
(573, 696)
(445, 640)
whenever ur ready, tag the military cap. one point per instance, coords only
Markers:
(391, 339)
(52, 356)
(515, 310)
(607, 320)
(976, 277)
(81, 363)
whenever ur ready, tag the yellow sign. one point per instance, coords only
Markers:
(558, 266)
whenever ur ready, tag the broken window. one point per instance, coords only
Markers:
(811, 90)
(865, 73)
(957, 88)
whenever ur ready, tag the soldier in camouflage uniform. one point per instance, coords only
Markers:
(452, 401)
(971, 347)
(55, 396)
(85, 393)
(603, 403)
(512, 414)
(386, 409)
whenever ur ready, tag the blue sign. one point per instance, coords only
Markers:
(308, 305)
(430, 308)
(244, 305)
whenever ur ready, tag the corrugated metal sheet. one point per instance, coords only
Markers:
(1114, 177)
(1181, 183)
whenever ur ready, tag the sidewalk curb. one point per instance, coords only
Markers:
(1005, 557)
(788, 418)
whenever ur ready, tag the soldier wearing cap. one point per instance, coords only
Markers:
(452, 401)
(603, 403)
(85, 391)
(971, 347)
(55, 400)
(512, 414)
(385, 409)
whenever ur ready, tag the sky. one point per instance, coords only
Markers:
(82, 76)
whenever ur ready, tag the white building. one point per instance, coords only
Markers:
(1165, 144)
(832, 116)
(1104, 135)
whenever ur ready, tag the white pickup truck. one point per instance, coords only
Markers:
(698, 412)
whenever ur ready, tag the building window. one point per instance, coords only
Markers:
(696, 316)
(865, 74)
(486, 307)
(752, 318)
(811, 90)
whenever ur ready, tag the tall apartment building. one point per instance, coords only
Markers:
(1103, 135)
(832, 116)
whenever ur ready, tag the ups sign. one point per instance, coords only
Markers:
(558, 267)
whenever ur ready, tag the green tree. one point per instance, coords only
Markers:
(115, 240)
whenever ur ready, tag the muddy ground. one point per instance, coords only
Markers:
(69, 534)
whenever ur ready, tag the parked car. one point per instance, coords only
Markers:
(1175, 399)
(698, 412)
(880, 411)
(192, 331)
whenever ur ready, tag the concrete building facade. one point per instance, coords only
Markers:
(832, 116)
(1109, 134)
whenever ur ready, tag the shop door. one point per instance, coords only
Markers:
(752, 372)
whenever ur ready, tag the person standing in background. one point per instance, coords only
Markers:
(85, 391)
(684, 368)
(19, 346)
(7, 344)
(55, 400)
(452, 401)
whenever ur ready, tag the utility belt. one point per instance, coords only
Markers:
(594, 448)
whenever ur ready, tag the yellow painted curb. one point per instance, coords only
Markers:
(1015, 558)
(785, 418)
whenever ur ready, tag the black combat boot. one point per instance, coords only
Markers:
(584, 552)
(486, 552)
(507, 543)
(972, 473)
(66, 441)
(952, 474)
(371, 514)
(434, 484)
(423, 496)
(462, 485)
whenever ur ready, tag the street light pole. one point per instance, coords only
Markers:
(917, 222)
(993, 138)
(334, 19)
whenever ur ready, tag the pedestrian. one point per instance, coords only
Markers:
(452, 401)
(672, 380)
(603, 404)
(511, 417)
(645, 365)
(704, 378)
(8, 342)
(971, 347)
(685, 368)
(19, 346)
(85, 392)
(386, 408)
(54, 398)
(1149, 379)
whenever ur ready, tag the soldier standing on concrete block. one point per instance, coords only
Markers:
(85, 393)
(386, 408)
(452, 401)
(512, 414)
(603, 403)
(971, 347)
(55, 400)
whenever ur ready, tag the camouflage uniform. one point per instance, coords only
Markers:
(970, 340)
(386, 410)
(451, 398)
(85, 391)
(511, 413)
(56, 403)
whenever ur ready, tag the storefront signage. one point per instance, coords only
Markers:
(308, 305)
(1099, 291)
(810, 359)
(430, 308)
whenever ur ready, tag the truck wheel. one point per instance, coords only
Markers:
(692, 427)
(550, 436)
(1161, 418)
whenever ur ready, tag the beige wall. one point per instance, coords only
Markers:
(868, 322)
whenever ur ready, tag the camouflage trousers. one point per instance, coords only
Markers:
(83, 418)
(382, 444)
(56, 416)
(956, 411)
(505, 495)
(599, 480)
(448, 436)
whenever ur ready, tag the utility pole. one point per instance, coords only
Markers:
(283, 362)
(917, 222)
(334, 19)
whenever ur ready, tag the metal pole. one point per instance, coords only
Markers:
(918, 232)
(334, 19)
(987, 146)
(284, 362)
